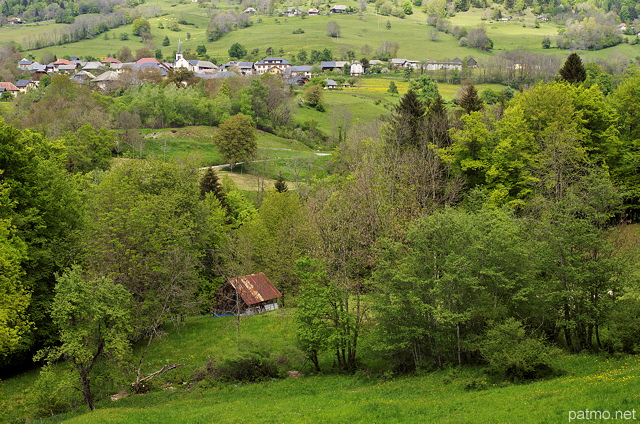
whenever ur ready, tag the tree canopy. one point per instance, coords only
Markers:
(236, 139)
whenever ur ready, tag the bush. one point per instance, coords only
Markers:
(624, 326)
(53, 393)
(246, 367)
(514, 356)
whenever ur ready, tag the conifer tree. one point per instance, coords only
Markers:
(408, 120)
(469, 100)
(210, 183)
(573, 70)
(280, 184)
(438, 123)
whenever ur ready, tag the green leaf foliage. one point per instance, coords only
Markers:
(236, 139)
(94, 321)
(516, 356)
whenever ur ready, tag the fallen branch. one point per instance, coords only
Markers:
(138, 386)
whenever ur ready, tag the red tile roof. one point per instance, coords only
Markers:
(62, 62)
(255, 288)
(9, 86)
(148, 60)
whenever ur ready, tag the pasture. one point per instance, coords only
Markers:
(360, 33)
(453, 395)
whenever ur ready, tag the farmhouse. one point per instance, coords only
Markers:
(337, 65)
(249, 294)
(244, 68)
(10, 87)
(106, 81)
(24, 85)
(273, 65)
(399, 63)
(357, 68)
(304, 70)
(24, 63)
(338, 8)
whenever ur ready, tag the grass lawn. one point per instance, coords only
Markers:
(176, 143)
(275, 155)
(590, 382)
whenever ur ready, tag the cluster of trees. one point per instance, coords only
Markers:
(594, 32)
(526, 258)
(61, 11)
(66, 106)
(86, 27)
(476, 38)
(222, 23)
(146, 238)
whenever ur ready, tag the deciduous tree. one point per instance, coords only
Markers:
(236, 139)
(237, 51)
(333, 29)
(93, 318)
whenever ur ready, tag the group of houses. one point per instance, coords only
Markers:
(431, 65)
(295, 11)
(108, 73)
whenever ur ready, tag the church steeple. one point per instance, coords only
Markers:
(179, 53)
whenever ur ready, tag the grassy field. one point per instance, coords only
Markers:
(590, 382)
(275, 155)
(175, 143)
(368, 100)
(411, 33)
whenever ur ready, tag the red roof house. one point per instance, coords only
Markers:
(249, 294)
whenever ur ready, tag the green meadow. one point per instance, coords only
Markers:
(275, 155)
(454, 395)
(197, 142)
(357, 31)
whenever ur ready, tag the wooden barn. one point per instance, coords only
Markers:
(249, 294)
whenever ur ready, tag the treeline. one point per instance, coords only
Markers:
(60, 11)
(85, 27)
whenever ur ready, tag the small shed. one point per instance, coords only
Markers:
(250, 294)
(331, 84)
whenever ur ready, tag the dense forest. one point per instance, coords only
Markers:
(464, 233)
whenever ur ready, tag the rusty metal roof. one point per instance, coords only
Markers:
(255, 288)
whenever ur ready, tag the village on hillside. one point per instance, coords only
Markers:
(110, 73)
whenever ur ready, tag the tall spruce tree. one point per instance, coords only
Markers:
(210, 183)
(280, 184)
(408, 120)
(438, 123)
(469, 100)
(573, 70)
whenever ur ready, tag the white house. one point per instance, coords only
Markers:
(357, 68)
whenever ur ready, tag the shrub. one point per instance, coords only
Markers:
(513, 355)
(53, 393)
(624, 326)
(246, 367)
